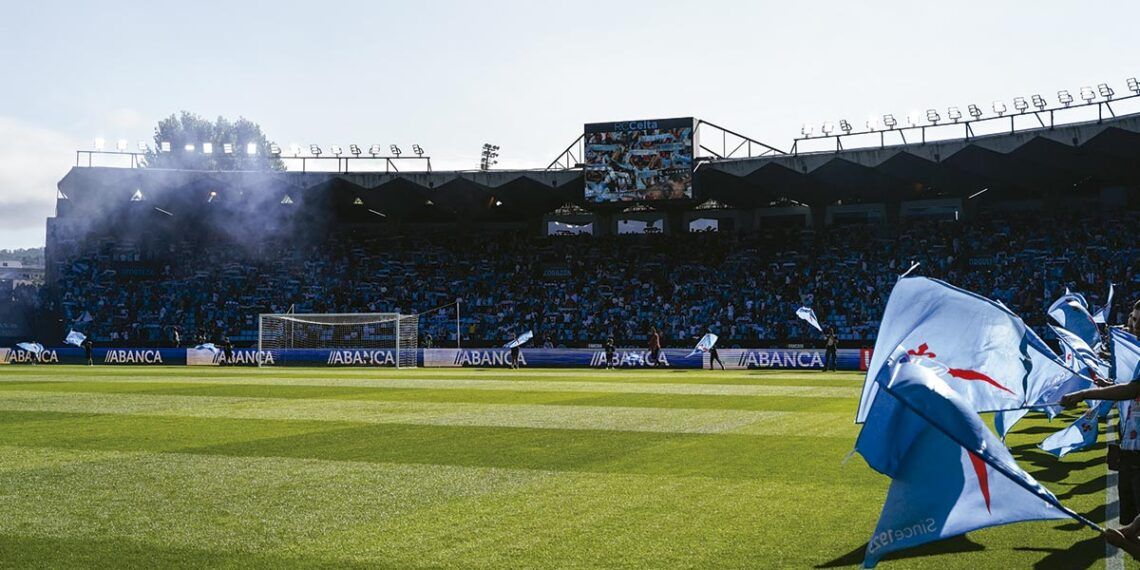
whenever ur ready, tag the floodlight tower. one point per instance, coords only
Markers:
(488, 156)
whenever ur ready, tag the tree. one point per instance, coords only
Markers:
(190, 129)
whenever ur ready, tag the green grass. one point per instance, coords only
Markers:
(185, 467)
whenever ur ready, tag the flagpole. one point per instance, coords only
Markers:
(999, 468)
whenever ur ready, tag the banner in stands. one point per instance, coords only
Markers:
(734, 359)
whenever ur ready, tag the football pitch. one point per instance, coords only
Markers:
(472, 468)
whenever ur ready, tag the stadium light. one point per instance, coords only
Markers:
(872, 122)
(274, 150)
(1000, 108)
(395, 150)
(207, 148)
(374, 150)
(1039, 102)
(827, 128)
(144, 146)
(1020, 104)
(227, 148)
(806, 130)
(100, 143)
(1105, 91)
(1064, 97)
(954, 114)
(336, 150)
(932, 116)
(1133, 85)
(165, 146)
(419, 150)
(188, 148)
(295, 149)
(251, 149)
(314, 150)
(845, 126)
(488, 155)
(889, 121)
(975, 112)
(355, 150)
(121, 145)
(1087, 94)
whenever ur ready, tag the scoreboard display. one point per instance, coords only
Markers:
(638, 161)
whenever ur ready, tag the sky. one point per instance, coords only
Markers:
(525, 75)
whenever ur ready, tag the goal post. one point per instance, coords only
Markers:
(393, 333)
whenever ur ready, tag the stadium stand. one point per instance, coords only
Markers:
(578, 290)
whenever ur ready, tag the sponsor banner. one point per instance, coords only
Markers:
(241, 357)
(558, 358)
(739, 359)
(100, 356)
(792, 358)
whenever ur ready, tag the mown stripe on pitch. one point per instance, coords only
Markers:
(521, 393)
(715, 455)
(505, 381)
(665, 420)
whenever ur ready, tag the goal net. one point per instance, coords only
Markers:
(390, 338)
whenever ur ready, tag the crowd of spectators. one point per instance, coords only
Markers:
(580, 290)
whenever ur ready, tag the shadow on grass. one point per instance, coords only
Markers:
(1084, 554)
(948, 546)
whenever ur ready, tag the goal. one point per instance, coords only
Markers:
(387, 339)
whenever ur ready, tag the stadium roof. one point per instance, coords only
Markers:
(1014, 165)
(1022, 164)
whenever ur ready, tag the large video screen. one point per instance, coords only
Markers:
(633, 161)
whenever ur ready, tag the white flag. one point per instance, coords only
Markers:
(808, 315)
(705, 344)
(1071, 313)
(1100, 317)
(208, 346)
(75, 337)
(521, 340)
(32, 347)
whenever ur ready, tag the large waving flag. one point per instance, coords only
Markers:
(807, 314)
(1071, 313)
(705, 344)
(208, 346)
(76, 338)
(521, 340)
(950, 474)
(977, 346)
(1101, 315)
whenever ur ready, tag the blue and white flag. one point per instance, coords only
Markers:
(521, 340)
(978, 347)
(1071, 313)
(208, 346)
(75, 338)
(705, 344)
(949, 474)
(807, 314)
(1080, 434)
(1101, 315)
(1125, 356)
(32, 347)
